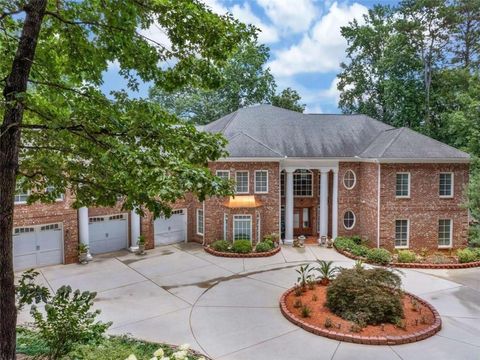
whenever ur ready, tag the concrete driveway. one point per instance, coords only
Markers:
(228, 308)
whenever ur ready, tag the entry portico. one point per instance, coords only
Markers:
(324, 168)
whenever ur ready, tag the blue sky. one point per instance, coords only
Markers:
(305, 44)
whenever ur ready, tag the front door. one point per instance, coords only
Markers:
(302, 221)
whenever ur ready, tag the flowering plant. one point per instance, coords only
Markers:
(181, 354)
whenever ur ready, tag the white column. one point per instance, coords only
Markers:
(134, 227)
(289, 206)
(335, 204)
(323, 202)
(83, 234)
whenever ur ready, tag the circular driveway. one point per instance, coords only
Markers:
(228, 308)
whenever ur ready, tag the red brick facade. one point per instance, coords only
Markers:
(423, 208)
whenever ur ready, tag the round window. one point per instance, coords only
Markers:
(349, 179)
(349, 220)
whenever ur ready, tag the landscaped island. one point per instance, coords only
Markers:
(355, 248)
(358, 305)
(244, 248)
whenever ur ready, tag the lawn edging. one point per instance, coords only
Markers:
(238, 255)
(359, 339)
(413, 265)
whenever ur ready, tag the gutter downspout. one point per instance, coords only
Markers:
(378, 202)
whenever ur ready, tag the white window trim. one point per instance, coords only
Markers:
(198, 222)
(224, 171)
(255, 182)
(21, 202)
(451, 235)
(248, 182)
(233, 226)
(408, 235)
(409, 185)
(354, 220)
(225, 226)
(452, 188)
(354, 179)
(312, 188)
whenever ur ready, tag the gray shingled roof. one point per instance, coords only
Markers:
(267, 131)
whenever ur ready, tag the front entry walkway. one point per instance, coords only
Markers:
(228, 308)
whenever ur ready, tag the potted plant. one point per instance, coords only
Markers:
(329, 243)
(327, 271)
(82, 253)
(141, 245)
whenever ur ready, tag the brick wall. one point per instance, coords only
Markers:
(269, 209)
(424, 207)
(58, 212)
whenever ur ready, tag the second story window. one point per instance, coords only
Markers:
(241, 182)
(21, 197)
(402, 189)
(446, 185)
(302, 183)
(224, 174)
(261, 181)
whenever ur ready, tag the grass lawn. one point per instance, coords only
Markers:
(112, 348)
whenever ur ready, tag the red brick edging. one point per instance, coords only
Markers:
(236, 255)
(414, 265)
(359, 339)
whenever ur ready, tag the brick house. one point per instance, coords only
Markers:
(295, 174)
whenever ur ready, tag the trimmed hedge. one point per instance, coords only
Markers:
(242, 246)
(221, 245)
(467, 255)
(351, 245)
(264, 246)
(379, 256)
(406, 256)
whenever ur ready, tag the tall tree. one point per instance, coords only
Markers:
(58, 129)
(245, 81)
(465, 46)
(288, 99)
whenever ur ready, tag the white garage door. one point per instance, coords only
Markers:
(38, 245)
(108, 233)
(171, 230)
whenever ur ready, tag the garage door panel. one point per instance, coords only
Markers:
(109, 234)
(171, 230)
(39, 245)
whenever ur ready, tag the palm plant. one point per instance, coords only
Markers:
(326, 270)
(305, 275)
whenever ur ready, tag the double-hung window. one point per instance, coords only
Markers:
(401, 233)
(444, 233)
(21, 197)
(241, 182)
(445, 185)
(242, 227)
(261, 181)
(302, 183)
(402, 189)
(200, 221)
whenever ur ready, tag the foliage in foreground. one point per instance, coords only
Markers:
(66, 320)
(112, 348)
(366, 296)
(242, 246)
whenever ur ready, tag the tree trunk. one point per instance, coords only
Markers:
(16, 83)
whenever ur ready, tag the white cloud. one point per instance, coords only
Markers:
(323, 48)
(294, 16)
(332, 94)
(244, 13)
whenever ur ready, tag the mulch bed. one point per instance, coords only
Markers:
(421, 322)
(423, 265)
(248, 255)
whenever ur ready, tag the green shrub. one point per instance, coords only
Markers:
(366, 296)
(474, 236)
(379, 256)
(357, 239)
(344, 243)
(466, 255)
(221, 245)
(242, 246)
(406, 256)
(264, 246)
(359, 250)
(269, 243)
